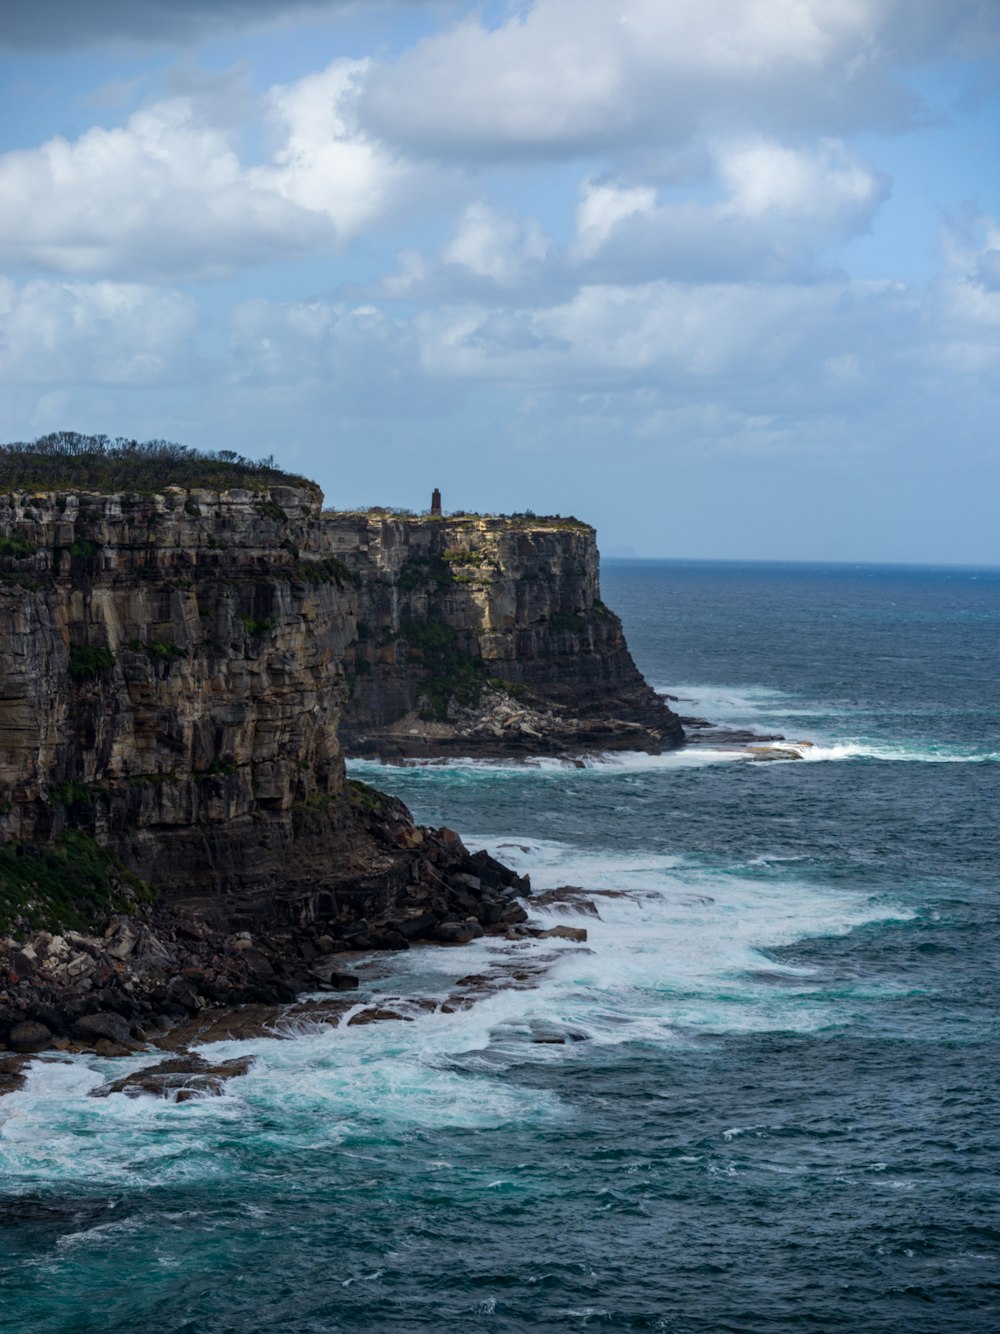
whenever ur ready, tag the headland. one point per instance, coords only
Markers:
(190, 647)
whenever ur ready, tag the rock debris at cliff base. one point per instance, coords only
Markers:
(114, 991)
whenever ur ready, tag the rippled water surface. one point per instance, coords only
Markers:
(776, 1104)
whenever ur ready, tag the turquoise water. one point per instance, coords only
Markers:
(781, 1110)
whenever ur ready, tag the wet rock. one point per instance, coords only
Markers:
(11, 1074)
(568, 897)
(414, 924)
(389, 940)
(336, 980)
(458, 933)
(179, 1079)
(105, 1047)
(29, 1036)
(103, 1024)
(576, 933)
(773, 753)
(513, 913)
(376, 1015)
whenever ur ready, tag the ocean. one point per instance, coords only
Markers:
(763, 1096)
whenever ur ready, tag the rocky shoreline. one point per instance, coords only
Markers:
(186, 668)
(504, 727)
(184, 1073)
(133, 983)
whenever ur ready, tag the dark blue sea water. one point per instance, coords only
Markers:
(782, 1115)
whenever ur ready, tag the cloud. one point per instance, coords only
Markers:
(826, 187)
(167, 194)
(64, 24)
(496, 245)
(351, 357)
(604, 208)
(123, 334)
(966, 340)
(612, 336)
(565, 77)
(782, 208)
(491, 250)
(326, 165)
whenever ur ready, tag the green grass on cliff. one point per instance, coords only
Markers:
(452, 674)
(364, 797)
(71, 884)
(66, 460)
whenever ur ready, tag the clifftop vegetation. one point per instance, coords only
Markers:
(518, 519)
(66, 460)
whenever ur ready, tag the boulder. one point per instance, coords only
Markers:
(337, 981)
(121, 939)
(29, 1036)
(24, 962)
(377, 1014)
(458, 933)
(103, 1024)
(104, 1047)
(414, 924)
(568, 898)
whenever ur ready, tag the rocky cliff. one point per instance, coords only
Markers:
(172, 679)
(171, 688)
(479, 634)
(182, 670)
(180, 674)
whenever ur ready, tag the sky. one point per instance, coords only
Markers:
(721, 277)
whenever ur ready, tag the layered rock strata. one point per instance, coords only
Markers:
(172, 683)
(487, 635)
(180, 676)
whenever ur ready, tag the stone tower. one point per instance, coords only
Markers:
(436, 502)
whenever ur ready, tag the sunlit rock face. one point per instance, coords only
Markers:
(466, 621)
(181, 674)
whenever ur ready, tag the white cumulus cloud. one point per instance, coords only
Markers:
(167, 194)
(105, 333)
(571, 76)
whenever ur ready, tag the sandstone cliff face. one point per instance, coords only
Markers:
(171, 681)
(446, 605)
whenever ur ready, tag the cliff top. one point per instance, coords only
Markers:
(71, 461)
(66, 460)
(524, 519)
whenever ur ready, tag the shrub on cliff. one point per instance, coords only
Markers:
(67, 460)
(72, 884)
(452, 674)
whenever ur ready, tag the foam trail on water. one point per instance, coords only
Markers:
(862, 750)
(833, 734)
(487, 770)
(678, 951)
